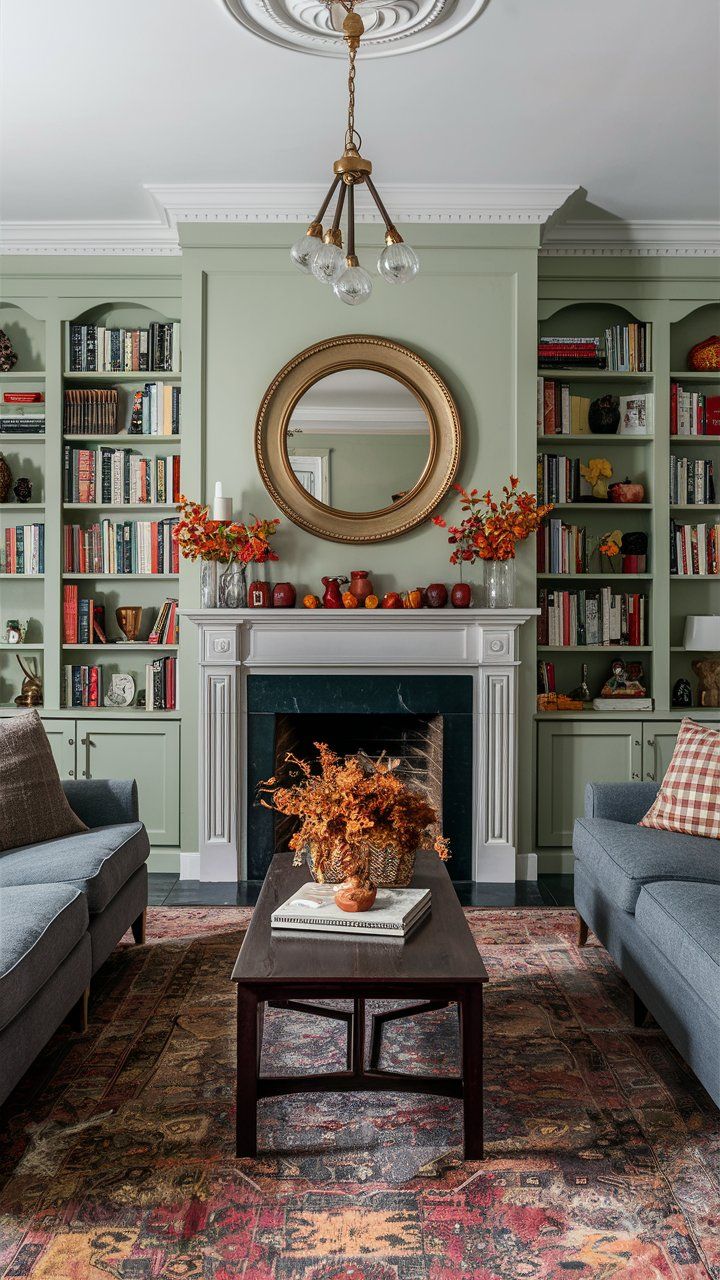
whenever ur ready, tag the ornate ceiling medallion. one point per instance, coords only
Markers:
(391, 26)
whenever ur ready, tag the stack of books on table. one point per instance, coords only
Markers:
(571, 353)
(313, 909)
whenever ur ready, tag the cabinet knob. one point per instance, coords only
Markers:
(71, 742)
(83, 742)
(636, 775)
(650, 776)
(71, 773)
(651, 742)
(85, 773)
(638, 743)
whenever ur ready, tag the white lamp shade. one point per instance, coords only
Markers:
(702, 633)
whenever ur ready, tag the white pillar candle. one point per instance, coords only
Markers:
(222, 507)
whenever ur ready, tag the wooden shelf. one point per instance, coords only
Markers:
(142, 375)
(594, 439)
(124, 577)
(592, 375)
(120, 646)
(120, 437)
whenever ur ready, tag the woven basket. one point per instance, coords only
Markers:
(389, 868)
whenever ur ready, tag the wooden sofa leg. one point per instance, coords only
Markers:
(582, 932)
(139, 927)
(78, 1015)
(639, 1011)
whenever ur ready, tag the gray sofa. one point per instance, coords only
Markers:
(63, 906)
(653, 900)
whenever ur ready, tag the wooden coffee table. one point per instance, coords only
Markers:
(439, 964)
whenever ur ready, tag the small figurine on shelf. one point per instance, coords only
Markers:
(23, 489)
(609, 548)
(597, 473)
(682, 693)
(582, 693)
(626, 491)
(16, 631)
(604, 415)
(626, 680)
(31, 691)
(5, 479)
(8, 356)
(707, 671)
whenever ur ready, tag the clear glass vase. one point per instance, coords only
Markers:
(232, 586)
(208, 584)
(499, 584)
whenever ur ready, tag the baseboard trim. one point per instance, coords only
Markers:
(167, 860)
(556, 862)
(189, 866)
(526, 866)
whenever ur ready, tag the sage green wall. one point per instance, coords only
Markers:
(471, 313)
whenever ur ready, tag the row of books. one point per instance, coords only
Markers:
(561, 548)
(692, 481)
(598, 617)
(568, 353)
(84, 620)
(165, 626)
(156, 410)
(692, 413)
(628, 347)
(27, 424)
(23, 549)
(559, 412)
(161, 684)
(131, 546)
(694, 549)
(119, 476)
(91, 410)
(559, 479)
(99, 349)
(83, 685)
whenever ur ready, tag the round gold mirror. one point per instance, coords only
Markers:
(357, 439)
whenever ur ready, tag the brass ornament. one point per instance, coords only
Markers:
(381, 355)
(31, 692)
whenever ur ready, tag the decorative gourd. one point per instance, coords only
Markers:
(413, 599)
(371, 602)
(626, 491)
(311, 602)
(349, 600)
(705, 355)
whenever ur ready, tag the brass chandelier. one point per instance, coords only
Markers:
(322, 254)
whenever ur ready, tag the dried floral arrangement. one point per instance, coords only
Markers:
(491, 530)
(352, 806)
(200, 538)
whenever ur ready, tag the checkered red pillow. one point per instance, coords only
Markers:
(689, 795)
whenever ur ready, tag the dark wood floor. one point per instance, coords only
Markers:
(168, 890)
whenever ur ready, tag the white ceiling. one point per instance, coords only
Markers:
(97, 99)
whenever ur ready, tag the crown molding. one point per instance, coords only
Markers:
(88, 239)
(639, 239)
(298, 202)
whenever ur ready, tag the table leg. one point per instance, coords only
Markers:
(472, 1070)
(247, 1072)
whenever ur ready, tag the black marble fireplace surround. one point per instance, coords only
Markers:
(351, 712)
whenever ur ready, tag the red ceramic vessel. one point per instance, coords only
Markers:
(461, 595)
(436, 595)
(283, 596)
(259, 595)
(360, 584)
(354, 895)
(332, 599)
(391, 600)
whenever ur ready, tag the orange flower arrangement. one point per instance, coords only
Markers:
(352, 803)
(493, 533)
(200, 538)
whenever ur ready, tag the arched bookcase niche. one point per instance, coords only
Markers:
(122, 314)
(687, 331)
(581, 319)
(27, 335)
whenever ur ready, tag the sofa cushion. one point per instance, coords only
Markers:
(32, 802)
(622, 858)
(39, 926)
(683, 920)
(97, 862)
(689, 797)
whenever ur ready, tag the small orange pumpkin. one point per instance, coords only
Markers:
(349, 600)
(413, 599)
(371, 602)
(311, 602)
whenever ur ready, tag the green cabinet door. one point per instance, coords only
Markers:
(150, 753)
(659, 739)
(62, 740)
(572, 753)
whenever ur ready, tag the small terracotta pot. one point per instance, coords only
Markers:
(355, 895)
(436, 595)
(259, 595)
(283, 596)
(461, 595)
(361, 584)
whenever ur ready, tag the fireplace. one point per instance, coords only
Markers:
(443, 679)
(424, 721)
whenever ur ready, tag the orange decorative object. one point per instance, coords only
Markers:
(355, 895)
(311, 602)
(558, 702)
(413, 599)
(371, 602)
(391, 600)
(349, 600)
(705, 355)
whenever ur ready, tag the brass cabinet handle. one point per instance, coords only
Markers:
(83, 742)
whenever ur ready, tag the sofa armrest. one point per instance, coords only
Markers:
(100, 802)
(619, 801)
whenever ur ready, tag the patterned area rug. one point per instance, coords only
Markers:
(116, 1150)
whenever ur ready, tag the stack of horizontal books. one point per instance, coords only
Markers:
(313, 909)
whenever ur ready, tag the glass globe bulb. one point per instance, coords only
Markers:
(303, 252)
(354, 286)
(328, 263)
(398, 263)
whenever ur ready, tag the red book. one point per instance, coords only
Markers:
(712, 416)
(154, 548)
(24, 397)
(70, 614)
(673, 409)
(549, 408)
(176, 478)
(93, 699)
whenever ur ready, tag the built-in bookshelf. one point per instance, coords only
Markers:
(102, 452)
(676, 459)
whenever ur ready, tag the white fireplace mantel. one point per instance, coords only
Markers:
(236, 642)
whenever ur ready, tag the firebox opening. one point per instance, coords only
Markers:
(416, 740)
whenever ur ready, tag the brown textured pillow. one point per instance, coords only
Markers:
(32, 802)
